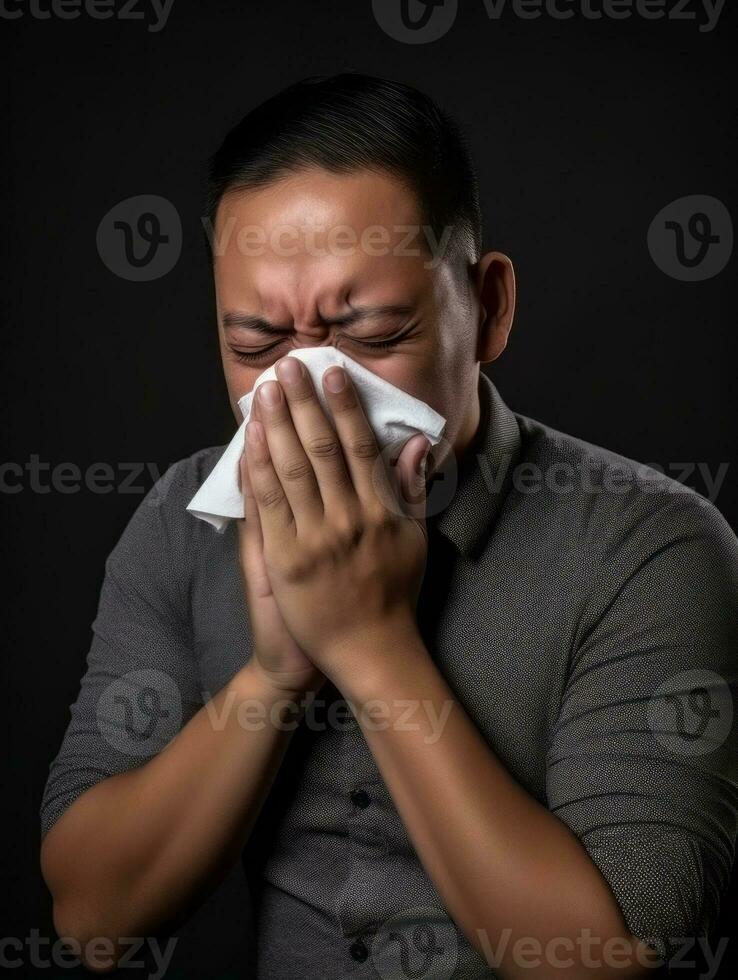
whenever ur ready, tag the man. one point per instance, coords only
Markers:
(517, 782)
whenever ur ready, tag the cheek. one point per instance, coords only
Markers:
(450, 374)
(239, 379)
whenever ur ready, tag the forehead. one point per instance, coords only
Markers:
(315, 196)
(313, 230)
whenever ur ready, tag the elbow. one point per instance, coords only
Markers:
(81, 919)
(86, 933)
(96, 947)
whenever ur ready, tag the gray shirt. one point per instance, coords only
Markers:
(583, 609)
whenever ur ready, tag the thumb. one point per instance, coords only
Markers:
(411, 476)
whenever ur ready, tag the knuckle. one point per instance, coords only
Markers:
(277, 417)
(324, 447)
(302, 393)
(298, 568)
(344, 402)
(295, 469)
(363, 447)
(271, 497)
(348, 531)
(380, 519)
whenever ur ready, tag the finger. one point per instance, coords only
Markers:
(289, 459)
(251, 543)
(317, 435)
(411, 476)
(275, 514)
(252, 524)
(361, 452)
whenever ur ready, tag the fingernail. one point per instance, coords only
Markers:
(335, 379)
(423, 461)
(289, 370)
(270, 393)
(253, 432)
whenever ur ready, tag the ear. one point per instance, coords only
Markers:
(495, 283)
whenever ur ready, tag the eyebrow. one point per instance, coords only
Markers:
(248, 321)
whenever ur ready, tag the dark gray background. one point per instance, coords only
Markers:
(582, 132)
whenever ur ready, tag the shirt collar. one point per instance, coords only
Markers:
(484, 475)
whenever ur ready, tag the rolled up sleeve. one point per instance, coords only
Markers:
(642, 762)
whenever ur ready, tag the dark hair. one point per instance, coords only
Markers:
(350, 122)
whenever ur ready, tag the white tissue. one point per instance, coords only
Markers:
(393, 414)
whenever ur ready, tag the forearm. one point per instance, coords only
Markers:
(506, 868)
(135, 851)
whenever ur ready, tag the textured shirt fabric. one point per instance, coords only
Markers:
(584, 611)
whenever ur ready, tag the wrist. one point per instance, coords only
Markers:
(366, 663)
(255, 682)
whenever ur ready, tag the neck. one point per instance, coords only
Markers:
(468, 434)
(469, 431)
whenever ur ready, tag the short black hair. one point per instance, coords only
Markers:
(350, 122)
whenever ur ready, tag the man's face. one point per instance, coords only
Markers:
(317, 259)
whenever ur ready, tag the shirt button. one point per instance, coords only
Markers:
(360, 798)
(358, 951)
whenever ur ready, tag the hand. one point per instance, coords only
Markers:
(345, 560)
(276, 653)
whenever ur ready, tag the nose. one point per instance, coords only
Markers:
(314, 337)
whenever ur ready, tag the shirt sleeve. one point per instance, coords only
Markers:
(141, 684)
(642, 762)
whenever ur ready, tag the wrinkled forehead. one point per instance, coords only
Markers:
(315, 237)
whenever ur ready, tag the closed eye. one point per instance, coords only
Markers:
(257, 355)
(388, 342)
(251, 356)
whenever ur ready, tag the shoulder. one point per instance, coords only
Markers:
(651, 565)
(161, 524)
(615, 505)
